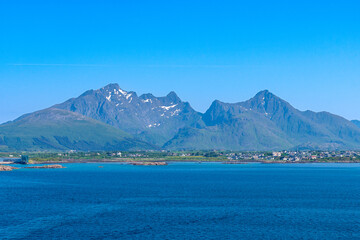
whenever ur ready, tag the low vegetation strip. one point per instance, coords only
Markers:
(47, 166)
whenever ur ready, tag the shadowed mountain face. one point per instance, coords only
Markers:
(356, 122)
(267, 122)
(153, 119)
(58, 130)
(113, 119)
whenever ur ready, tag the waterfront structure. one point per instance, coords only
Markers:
(24, 159)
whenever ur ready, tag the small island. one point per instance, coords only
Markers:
(234, 162)
(148, 163)
(47, 166)
(7, 168)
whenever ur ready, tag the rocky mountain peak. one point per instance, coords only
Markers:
(264, 95)
(266, 103)
(173, 97)
(356, 122)
(111, 87)
(216, 112)
(147, 96)
(113, 93)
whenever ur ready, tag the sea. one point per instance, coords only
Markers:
(182, 201)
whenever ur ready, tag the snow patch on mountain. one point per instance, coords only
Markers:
(147, 100)
(122, 92)
(176, 112)
(168, 107)
(109, 97)
(153, 125)
(128, 95)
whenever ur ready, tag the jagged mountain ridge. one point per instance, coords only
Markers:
(264, 122)
(153, 119)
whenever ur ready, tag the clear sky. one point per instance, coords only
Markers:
(306, 52)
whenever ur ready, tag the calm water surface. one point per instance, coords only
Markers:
(182, 201)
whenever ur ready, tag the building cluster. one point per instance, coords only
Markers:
(295, 156)
(23, 159)
(287, 156)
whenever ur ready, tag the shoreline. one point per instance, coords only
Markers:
(142, 161)
(162, 161)
(57, 165)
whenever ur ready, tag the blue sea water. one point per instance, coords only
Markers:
(182, 201)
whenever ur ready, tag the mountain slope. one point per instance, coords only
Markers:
(267, 122)
(356, 122)
(57, 129)
(113, 119)
(153, 119)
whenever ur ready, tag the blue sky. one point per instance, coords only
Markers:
(307, 53)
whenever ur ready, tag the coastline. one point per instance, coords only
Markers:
(7, 166)
(57, 165)
(142, 161)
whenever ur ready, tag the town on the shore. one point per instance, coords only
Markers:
(195, 156)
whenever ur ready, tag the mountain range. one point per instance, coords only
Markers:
(111, 118)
